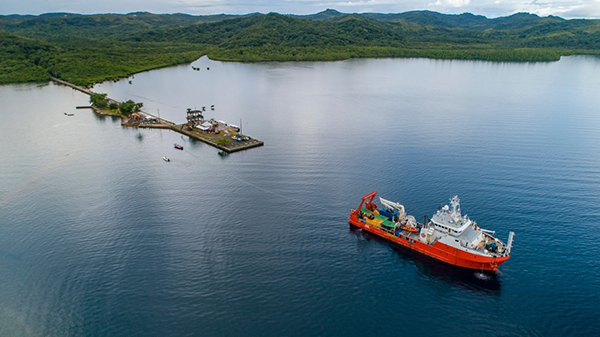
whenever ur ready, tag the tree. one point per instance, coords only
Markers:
(99, 100)
(126, 108)
(137, 107)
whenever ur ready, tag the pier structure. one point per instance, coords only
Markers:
(194, 117)
(225, 141)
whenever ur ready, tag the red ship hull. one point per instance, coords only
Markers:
(438, 250)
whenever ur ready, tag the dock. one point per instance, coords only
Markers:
(78, 88)
(224, 142)
(229, 147)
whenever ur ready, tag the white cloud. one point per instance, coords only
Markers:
(451, 3)
(563, 8)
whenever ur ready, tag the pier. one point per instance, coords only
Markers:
(223, 139)
(229, 147)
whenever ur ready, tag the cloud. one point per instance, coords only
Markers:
(564, 8)
(451, 3)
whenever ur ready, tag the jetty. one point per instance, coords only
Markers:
(218, 134)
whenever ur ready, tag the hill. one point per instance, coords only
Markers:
(59, 26)
(274, 29)
(20, 58)
(89, 48)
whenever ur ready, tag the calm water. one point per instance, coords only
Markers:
(100, 237)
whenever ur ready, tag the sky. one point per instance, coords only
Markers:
(589, 9)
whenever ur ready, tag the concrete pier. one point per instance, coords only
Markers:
(231, 146)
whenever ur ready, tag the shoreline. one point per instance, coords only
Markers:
(484, 55)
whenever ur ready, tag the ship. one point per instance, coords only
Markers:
(448, 236)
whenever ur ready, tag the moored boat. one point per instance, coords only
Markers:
(448, 236)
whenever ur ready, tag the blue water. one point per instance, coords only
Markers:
(100, 237)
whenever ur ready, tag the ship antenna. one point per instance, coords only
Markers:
(455, 203)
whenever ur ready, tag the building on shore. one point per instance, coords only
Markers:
(194, 117)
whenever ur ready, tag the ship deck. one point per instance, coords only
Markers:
(384, 223)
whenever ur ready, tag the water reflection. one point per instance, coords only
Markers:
(105, 118)
(484, 282)
(518, 142)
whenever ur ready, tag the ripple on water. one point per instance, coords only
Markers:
(100, 236)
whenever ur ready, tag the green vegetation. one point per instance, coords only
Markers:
(86, 62)
(20, 57)
(85, 49)
(99, 100)
(128, 107)
(342, 53)
(125, 108)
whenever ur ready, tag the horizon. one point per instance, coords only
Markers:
(291, 14)
(567, 9)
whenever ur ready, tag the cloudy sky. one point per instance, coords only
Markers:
(489, 8)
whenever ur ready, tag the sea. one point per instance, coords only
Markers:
(101, 237)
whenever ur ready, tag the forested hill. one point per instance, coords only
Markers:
(90, 48)
(54, 26)
(278, 30)
(530, 30)
(418, 30)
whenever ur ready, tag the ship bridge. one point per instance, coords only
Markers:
(448, 219)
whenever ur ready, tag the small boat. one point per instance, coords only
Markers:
(178, 147)
(409, 229)
(165, 158)
(447, 236)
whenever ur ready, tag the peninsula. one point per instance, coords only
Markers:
(227, 138)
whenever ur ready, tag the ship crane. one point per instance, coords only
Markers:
(511, 236)
(394, 206)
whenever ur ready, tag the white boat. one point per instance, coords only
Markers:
(165, 158)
